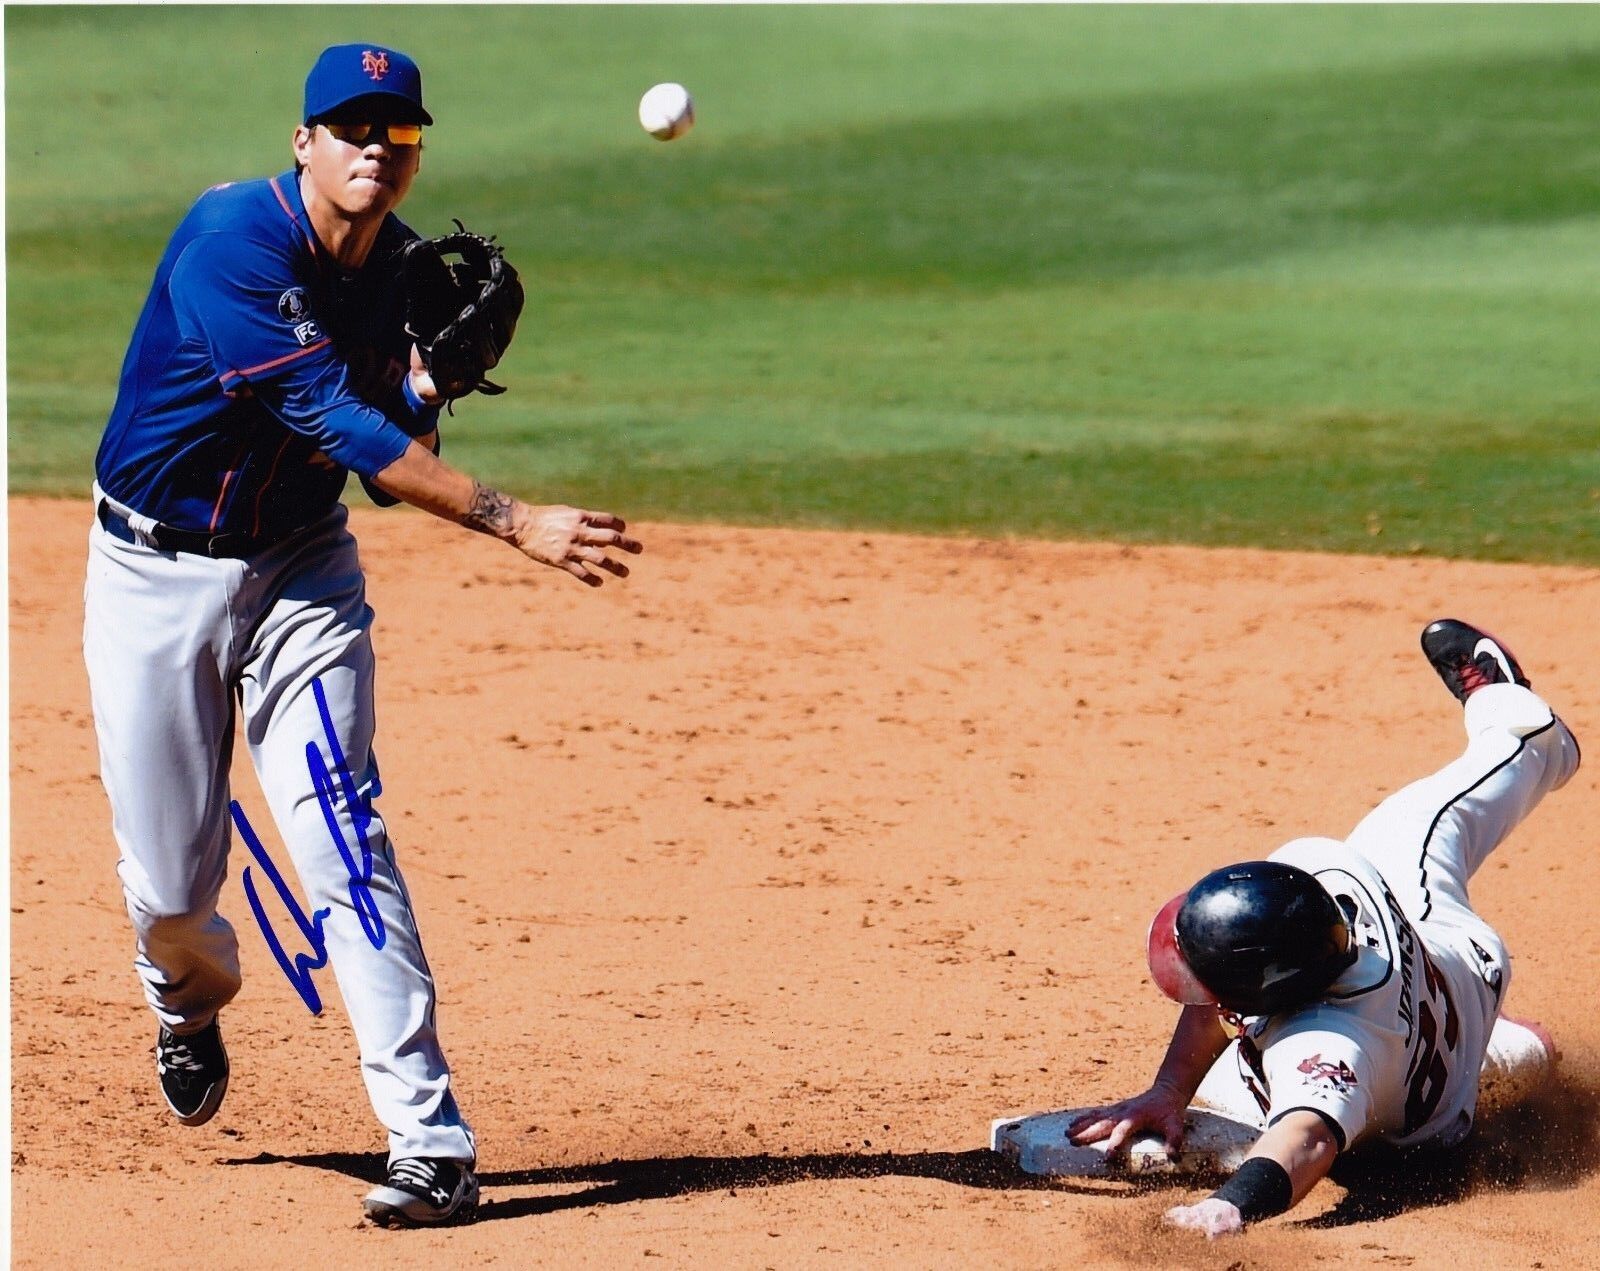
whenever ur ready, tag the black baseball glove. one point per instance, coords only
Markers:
(462, 313)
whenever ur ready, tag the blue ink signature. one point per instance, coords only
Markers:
(357, 863)
(300, 968)
(360, 819)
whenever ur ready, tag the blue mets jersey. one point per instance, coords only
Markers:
(261, 373)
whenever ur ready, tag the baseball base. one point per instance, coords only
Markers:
(1038, 1144)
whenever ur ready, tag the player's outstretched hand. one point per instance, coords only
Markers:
(574, 540)
(1212, 1216)
(1157, 1109)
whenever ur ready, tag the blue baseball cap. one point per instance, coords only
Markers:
(348, 72)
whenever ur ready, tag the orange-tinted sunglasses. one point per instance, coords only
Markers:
(361, 134)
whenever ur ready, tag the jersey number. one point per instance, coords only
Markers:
(1429, 1071)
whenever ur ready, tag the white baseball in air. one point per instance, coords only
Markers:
(666, 111)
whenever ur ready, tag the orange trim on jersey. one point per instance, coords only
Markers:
(289, 212)
(255, 528)
(222, 494)
(277, 361)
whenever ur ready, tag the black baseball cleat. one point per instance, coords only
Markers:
(423, 1192)
(194, 1072)
(1467, 658)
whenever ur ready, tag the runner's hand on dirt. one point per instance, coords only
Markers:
(1157, 1109)
(1212, 1216)
(573, 540)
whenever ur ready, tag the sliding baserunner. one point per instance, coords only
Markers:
(1363, 990)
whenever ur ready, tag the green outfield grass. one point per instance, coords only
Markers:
(1300, 276)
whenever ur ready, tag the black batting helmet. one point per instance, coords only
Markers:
(1253, 938)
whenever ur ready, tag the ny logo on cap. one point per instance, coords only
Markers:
(375, 64)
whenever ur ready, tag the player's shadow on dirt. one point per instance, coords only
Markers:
(1546, 1144)
(658, 1178)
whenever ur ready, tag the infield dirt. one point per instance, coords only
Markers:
(757, 884)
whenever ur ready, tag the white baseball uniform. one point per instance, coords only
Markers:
(1395, 1046)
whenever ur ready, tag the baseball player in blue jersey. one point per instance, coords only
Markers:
(270, 361)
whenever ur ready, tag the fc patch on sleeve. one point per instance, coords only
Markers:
(292, 308)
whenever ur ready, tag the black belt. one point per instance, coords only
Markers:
(167, 538)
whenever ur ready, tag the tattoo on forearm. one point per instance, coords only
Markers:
(490, 512)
